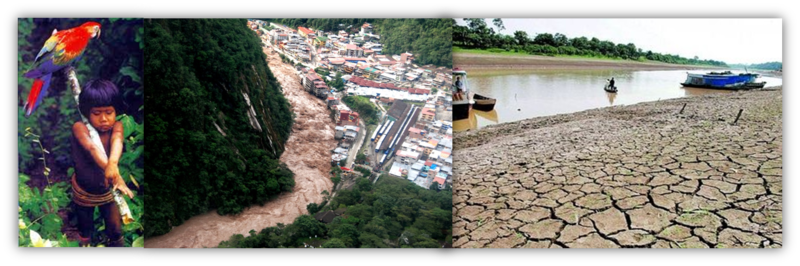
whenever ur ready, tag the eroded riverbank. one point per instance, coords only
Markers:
(492, 63)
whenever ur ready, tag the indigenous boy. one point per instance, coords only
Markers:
(96, 175)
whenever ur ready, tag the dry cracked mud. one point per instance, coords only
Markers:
(638, 176)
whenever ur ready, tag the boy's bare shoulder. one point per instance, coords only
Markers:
(118, 126)
(79, 127)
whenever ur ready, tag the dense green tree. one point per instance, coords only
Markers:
(371, 241)
(760, 66)
(360, 211)
(312, 208)
(334, 243)
(206, 152)
(365, 172)
(544, 39)
(478, 35)
(499, 24)
(363, 184)
(521, 37)
(392, 213)
(361, 158)
(348, 234)
(337, 82)
(305, 226)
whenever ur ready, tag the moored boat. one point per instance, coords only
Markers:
(723, 80)
(483, 103)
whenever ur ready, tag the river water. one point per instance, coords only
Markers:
(526, 94)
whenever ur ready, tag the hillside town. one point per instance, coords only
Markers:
(412, 137)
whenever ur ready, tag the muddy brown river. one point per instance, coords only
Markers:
(307, 154)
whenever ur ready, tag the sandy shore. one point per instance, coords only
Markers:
(642, 175)
(471, 61)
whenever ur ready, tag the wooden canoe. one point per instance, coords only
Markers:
(483, 103)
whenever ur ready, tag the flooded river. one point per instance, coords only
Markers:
(307, 154)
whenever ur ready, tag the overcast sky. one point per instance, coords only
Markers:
(730, 40)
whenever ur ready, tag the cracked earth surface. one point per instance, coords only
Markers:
(638, 176)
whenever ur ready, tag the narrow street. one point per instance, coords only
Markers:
(354, 150)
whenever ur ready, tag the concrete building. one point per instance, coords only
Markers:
(441, 181)
(415, 133)
(332, 101)
(304, 32)
(308, 81)
(405, 58)
(352, 50)
(339, 132)
(428, 115)
(366, 29)
(348, 118)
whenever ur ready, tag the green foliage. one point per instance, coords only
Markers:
(478, 35)
(366, 110)
(209, 155)
(361, 158)
(364, 184)
(131, 169)
(390, 214)
(336, 178)
(430, 40)
(364, 171)
(306, 226)
(312, 208)
(348, 234)
(760, 66)
(321, 71)
(38, 210)
(334, 243)
(337, 82)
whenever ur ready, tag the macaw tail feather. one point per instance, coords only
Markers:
(38, 91)
(35, 90)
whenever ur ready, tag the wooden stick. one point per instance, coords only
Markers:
(684, 106)
(737, 116)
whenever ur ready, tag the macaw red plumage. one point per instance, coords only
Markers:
(59, 51)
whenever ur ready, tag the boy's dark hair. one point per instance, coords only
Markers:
(98, 93)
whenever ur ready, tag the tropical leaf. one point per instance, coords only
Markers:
(131, 72)
(128, 125)
(138, 243)
(51, 226)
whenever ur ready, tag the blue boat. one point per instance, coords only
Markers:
(723, 80)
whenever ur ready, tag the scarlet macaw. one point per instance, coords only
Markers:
(59, 51)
